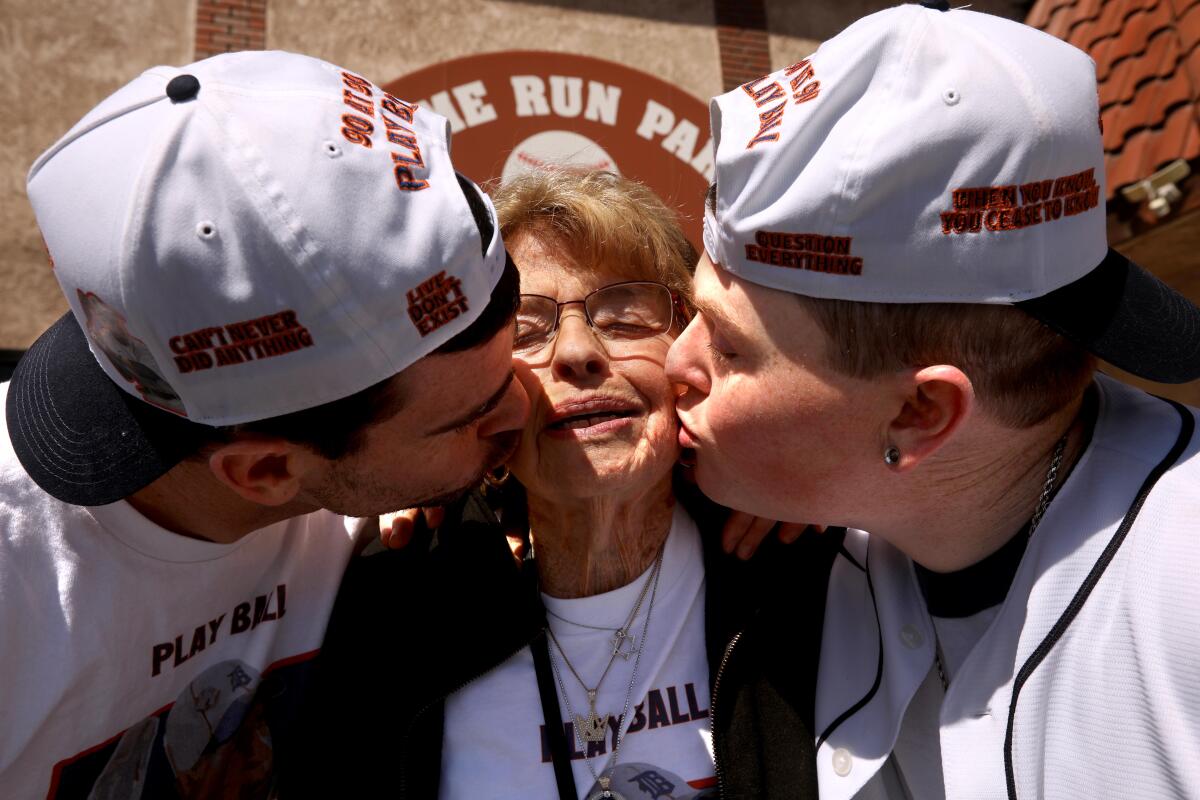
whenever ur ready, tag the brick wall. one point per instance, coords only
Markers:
(742, 41)
(223, 26)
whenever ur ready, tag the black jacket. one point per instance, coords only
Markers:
(412, 626)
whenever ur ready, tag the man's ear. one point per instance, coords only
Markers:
(935, 401)
(267, 471)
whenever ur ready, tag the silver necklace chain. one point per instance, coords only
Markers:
(1048, 486)
(561, 618)
(590, 723)
(620, 635)
(1043, 503)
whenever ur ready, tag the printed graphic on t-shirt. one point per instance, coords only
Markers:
(218, 739)
(651, 681)
(656, 783)
(662, 708)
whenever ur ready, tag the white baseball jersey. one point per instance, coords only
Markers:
(1084, 682)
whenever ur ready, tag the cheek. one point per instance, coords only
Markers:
(772, 420)
(749, 425)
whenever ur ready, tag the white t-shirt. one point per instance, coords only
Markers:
(495, 745)
(135, 662)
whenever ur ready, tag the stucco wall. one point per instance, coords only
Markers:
(675, 41)
(58, 59)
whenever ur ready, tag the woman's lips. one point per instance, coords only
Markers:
(587, 427)
(585, 417)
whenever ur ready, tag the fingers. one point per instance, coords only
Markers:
(755, 533)
(396, 529)
(743, 533)
(434, 516)
(735, 528)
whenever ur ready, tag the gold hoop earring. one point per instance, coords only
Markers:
(495, 478)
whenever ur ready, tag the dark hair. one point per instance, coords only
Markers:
(338, 428)
(1022, 370)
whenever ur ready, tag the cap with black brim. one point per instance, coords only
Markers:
(78, 435)
(1126, 316)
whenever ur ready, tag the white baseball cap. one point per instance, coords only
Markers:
(925, 155)
(241, 238)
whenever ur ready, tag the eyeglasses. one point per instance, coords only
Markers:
(617, 312)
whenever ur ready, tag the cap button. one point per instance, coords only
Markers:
(936, 5)
(183, 87)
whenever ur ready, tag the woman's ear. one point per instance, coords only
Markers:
(935, 401)
(267, 471)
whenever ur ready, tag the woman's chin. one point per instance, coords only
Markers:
(600, 475)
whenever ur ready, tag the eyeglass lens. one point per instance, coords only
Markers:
(623, 311)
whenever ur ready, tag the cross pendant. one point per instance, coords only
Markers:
(619, 639)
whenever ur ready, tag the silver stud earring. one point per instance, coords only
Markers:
(891, 456)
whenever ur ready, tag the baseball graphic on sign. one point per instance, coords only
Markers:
(557, 149)
(518, 110)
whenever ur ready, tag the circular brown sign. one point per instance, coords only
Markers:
(517, 110)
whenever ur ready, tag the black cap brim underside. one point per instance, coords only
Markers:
(80, 437)
(1127, 317)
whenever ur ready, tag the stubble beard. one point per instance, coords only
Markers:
(358, 494)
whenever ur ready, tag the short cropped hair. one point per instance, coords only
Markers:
(1022, 371)
(599, 219)
(338, 428)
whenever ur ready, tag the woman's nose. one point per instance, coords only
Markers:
(578, 352)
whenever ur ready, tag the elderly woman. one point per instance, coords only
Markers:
(595, 668)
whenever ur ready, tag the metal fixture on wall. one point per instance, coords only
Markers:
(1159, 190)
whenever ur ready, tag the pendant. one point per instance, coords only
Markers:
(604, 792)
(620, 639)
(591, 728)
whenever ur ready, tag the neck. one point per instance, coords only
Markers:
(588, 546)
(190, 502)
(981, 492)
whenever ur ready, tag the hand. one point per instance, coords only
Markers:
(396, 529)
(743, 533)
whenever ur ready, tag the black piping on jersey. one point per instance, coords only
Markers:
(1187, 426)
(852, 710)
(850, 558)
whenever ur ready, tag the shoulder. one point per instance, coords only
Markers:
(32, 523)
(1149, 436)
(1138, 427)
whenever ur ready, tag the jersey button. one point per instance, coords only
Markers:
(911, 637)
(842, 762)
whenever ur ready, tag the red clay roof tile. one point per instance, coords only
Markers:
(1123, 78)
(1147, 55)
(1040, 14)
